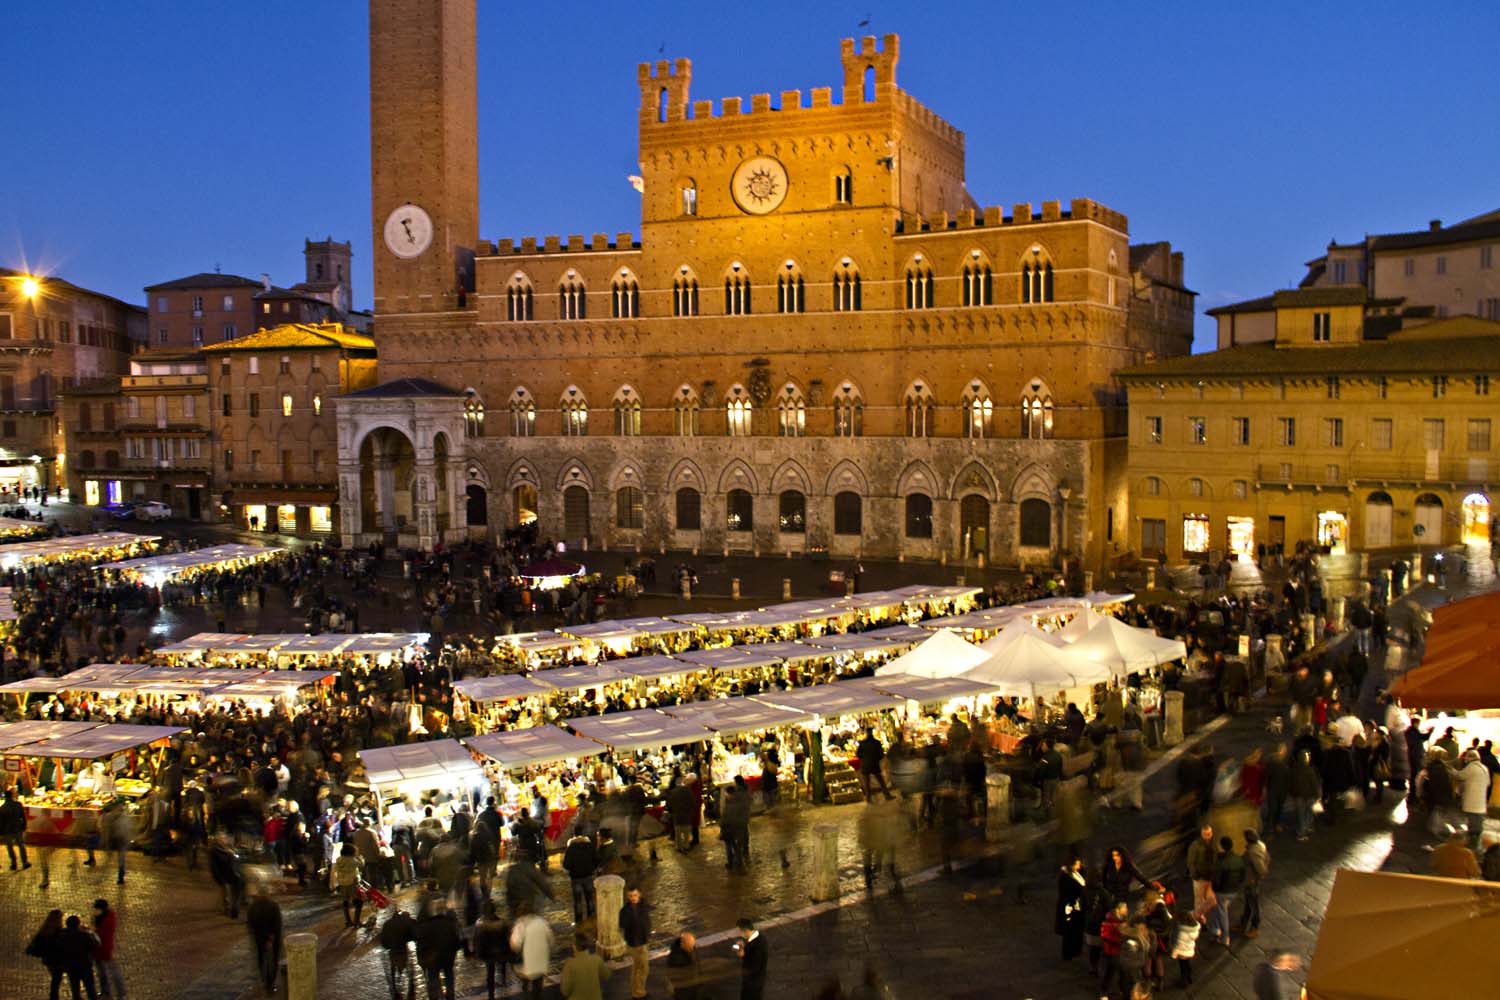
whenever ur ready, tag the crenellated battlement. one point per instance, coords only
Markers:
(1022, 214)
(554, 244)
(666, 100)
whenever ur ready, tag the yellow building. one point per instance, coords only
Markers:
(1327, 427)
(819, 341)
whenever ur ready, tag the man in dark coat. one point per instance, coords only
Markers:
(399, 931)
(224, 866)
(438, 943)
(754, 959)
(264, 920)
(734, 825)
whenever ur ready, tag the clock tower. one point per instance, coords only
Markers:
(424, 155)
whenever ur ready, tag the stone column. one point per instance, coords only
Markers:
(997, 804)
(1088, 581)
(1275, 658)
(301, 966)
(609, 896)
(786, 588)
(1336, 613)
(825, 881)
(687, 588)
(1310, 628)
(1171, 708)
(734, 588)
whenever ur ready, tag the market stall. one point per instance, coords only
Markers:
(153, 571)
(741, 727)
(643, 729)
(943, 654)
(406, 779)
(900, 636)
(199, 646)
(933, 601)
(543, 650)
(332, 650)
(626, 636)
(552, 574)
(980, 624)
(545, 757)
(1031, 667)
(121, 689)
(14, 528)
(8, 614)
(72, 772)
(1125, 649)
(75, 548)
(491, 702)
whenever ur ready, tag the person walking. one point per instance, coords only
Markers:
(1111, 933)
(531, 941)
(1257, 867)
(635, 928)
(754, 960)
(438, 944)
(684, 973)
(121, 832)
(584, 975)
(525, 888)
(345, 881)
(263, 917)
(396, 936)
(1278, 785)
(224, 866)
(870, 753)
(1229, 879)
(492, 945)
(734, 825)
(1068, 919)
(1305, 790)
(111, 981)
(75, 954)
(1474, 795)
(1202, 864)
(1185, 928)
(13, 829)
(44, 948)
(581, 862)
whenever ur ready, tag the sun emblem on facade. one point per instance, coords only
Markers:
(759, 185)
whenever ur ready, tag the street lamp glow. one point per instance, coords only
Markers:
(30, 287)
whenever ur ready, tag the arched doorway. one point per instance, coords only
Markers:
(477, 507)
(974, 525)
(387, 470)
(576, 513)
(523, 503)
(1476, 519)
(1378, 509)
(1428, 522)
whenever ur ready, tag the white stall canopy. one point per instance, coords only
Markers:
(1124, 649)
(643, 729)
(645, 668)
(1031, 667)
(17, 734)
(1079, 625)
(580, 678)
(501, 687)
(156, 570)
(528, 747)
(98, 742)
(898, 635)
(69, 546)
(733, 716)
(729, 659)
(853, 697)
(425, 766)
(944, 654)
(204, 641)
(934, 690)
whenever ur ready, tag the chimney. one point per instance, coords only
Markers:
(265, 281)
(1434, 225)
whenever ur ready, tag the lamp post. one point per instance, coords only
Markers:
(1064, 492)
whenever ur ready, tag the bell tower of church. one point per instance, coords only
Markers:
(424, 154)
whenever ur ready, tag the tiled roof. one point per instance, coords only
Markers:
(1483, 228)
(205, 280)
(1292, 298)
(403, 387)
(294, 335)
(1461, 344)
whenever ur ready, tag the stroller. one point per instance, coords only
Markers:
(372, 895)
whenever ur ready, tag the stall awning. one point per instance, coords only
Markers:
(1125, 649)
(69, 546)
(728, 659)
(786, 652)
(159, 569)
(579, 678)
(628, 629)
(7, 606)
(644, 729)
(651, 667)
(501, 687)
(733, 716)
(850, 643)
(17, 734)
(528, 747)
(273, 683)
(97, 742)
(373, 643)
(944, 654)
(203, 641)
(432, 764)
(853, 697)
(326, 644)
(933, 690)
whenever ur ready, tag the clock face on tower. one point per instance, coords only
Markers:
(408, 231)
(759, 185)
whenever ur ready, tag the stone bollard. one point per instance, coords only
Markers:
(1310, 627)
(997, 805)
(301, 966)
(1275, 658)
(943, 558)
(825, 883)
(1171, 716)
(1150, 577)
(786, 588)
(609, 897)
(734, 588)
(687, 588)
(849, 585)
(958, 581)
(1088, 581)
(979, 560)
(1336, 613)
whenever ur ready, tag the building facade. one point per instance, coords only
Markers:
(274, 457)
(1336, 430)
(818, 343)
(54, 338)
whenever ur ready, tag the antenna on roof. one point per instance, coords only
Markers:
(216, 267)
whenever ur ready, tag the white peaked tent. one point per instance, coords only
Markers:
(1124, 649)
(946, 654)
(1031, 667)
(1013, 632)
(1080, 625)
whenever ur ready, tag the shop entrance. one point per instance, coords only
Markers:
(1242, 536)
(476, 508)
(523, 498)
(1333, 531)
(1378, 509)
(1476, 519)
(1195, 534)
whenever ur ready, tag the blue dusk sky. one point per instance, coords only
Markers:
(153, 139)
